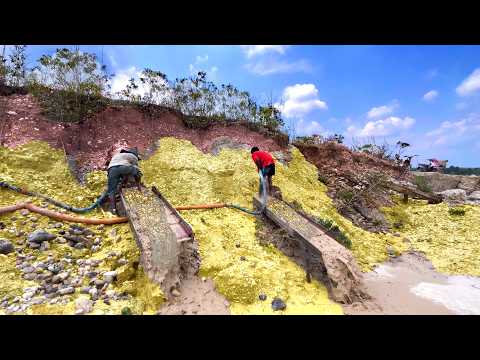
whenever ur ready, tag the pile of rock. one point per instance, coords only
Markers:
(60, 280)
(39, 239)
(460, 196)
(454, 189)
(80, 237)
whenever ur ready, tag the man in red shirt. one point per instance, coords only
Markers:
(265, 164)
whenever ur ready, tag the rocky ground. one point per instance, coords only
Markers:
(56, 275)
(354, 181)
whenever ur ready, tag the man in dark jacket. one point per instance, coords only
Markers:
(122, 165)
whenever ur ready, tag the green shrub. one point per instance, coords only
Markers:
(335, 232)
(422, 184)
(346, 195)
(457, 211)
(69, 85)
(67, 106)
(322, 178)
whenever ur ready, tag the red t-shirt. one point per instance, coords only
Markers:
(263, 157)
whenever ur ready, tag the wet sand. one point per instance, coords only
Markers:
(409, 285)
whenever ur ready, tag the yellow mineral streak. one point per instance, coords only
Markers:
(451, 242)
(40, 168)
(185, 175)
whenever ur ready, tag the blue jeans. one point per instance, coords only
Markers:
(117, 173)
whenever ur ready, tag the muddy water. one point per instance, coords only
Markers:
(409, 285)
(460, 294)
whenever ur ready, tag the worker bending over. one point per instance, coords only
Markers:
(265, 164)
(122, 165)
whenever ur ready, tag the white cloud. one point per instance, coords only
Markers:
(383, 110)
(309, 128)
(253, 50)
(199, 59)
(122, 78)
(299, 100)
(470, 85)
(383, 127)
(456, 131)
(196, 67)
(113, 61)
(431, 95)
(457, 128)
(269, 67)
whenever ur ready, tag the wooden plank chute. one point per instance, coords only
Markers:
(160, 233)
(342, 270)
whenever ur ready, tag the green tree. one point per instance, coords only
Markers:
(3, 67)
(17, 65)
(73, 84)
(270, 117)
(158, 89)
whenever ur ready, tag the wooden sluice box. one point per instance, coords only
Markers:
(160, 232)
(343, 272)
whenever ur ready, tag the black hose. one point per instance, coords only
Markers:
(248, 211)
(102, 198)
(96, 204)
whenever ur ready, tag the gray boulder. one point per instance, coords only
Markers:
(474, 198)
(39, 236)
(454, 196)
(6, 247)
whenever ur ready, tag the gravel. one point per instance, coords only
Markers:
(67, 290)
(6, 247)
(109, 276)
(39, 236)
(83, 306)
(278, 304)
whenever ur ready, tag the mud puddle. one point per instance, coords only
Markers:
(409, 285)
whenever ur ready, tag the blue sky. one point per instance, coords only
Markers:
(428, 96)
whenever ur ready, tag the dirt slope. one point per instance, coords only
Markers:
(92, 142)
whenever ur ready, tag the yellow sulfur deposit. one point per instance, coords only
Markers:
(40, 168)
(185, 175)
(231, 255)
(451, 242)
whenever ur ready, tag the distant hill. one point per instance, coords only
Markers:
(455, 170)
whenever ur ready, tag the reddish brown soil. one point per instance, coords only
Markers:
(92, 142)
(348, 172)
(334, 159)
